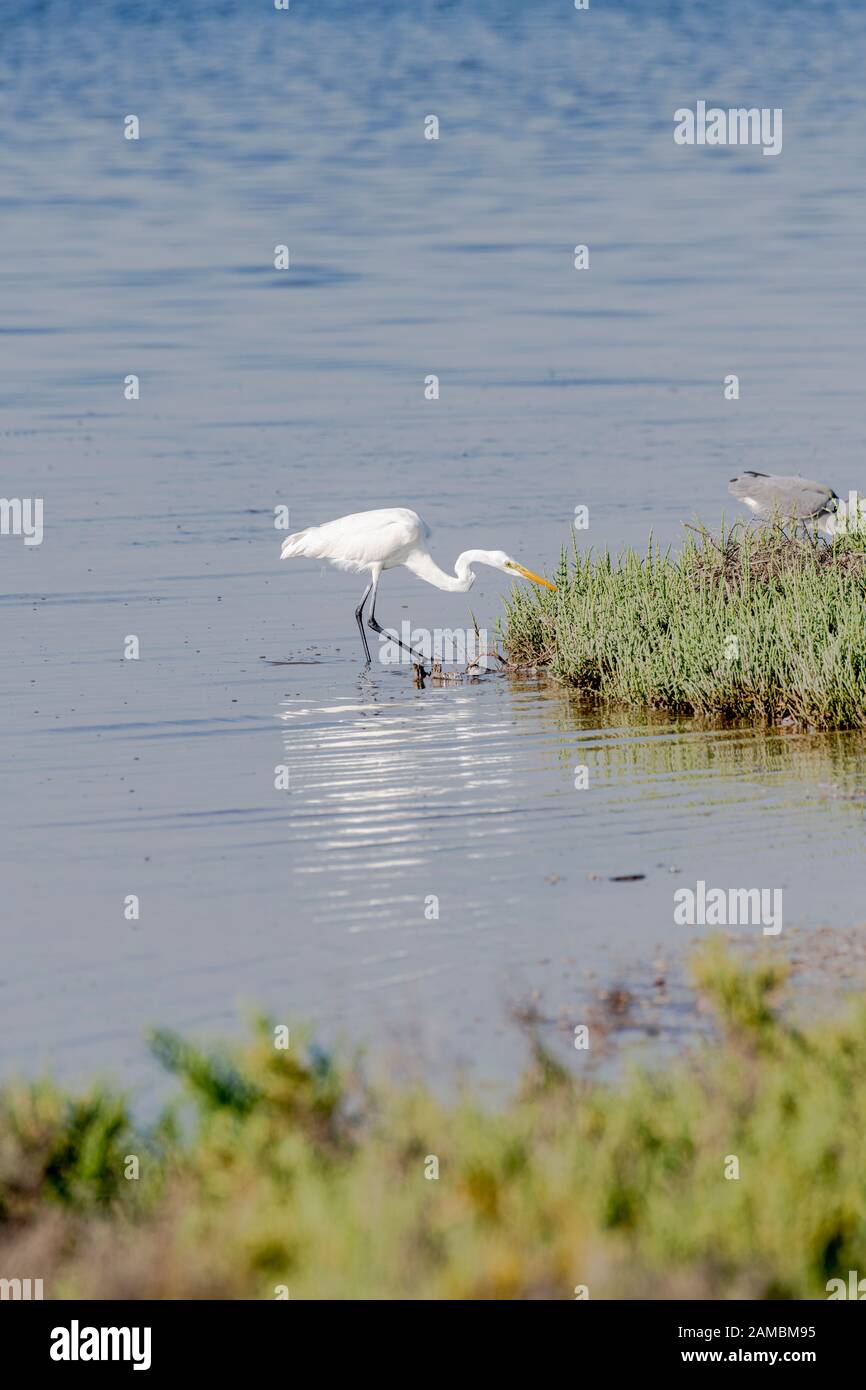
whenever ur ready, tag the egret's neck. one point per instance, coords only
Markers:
(462, 579)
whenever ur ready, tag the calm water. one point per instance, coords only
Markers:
(156, 777)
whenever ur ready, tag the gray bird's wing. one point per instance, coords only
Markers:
(789, 495)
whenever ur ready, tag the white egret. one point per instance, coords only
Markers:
(371, 542)
(788, 497)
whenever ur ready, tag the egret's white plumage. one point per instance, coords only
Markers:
(359, 541)
(381, 540)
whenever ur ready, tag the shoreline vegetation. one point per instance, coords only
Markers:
(737, 1172)
(754, 623)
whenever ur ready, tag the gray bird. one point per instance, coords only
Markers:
(787, 497)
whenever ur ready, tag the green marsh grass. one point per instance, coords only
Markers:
(289, 1168)
(750, 624)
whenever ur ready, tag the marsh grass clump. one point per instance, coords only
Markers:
(753, 623)
(287, 1169)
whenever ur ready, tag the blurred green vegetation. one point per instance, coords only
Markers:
(286, 1167)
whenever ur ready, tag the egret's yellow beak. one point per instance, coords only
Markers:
(536, 578)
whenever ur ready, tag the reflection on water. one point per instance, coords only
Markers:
(470, 795)
(318, 900)
(477, 785)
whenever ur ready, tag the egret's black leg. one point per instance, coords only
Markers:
(359, 619)
(372, 623)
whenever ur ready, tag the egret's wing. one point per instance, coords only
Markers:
(379, 537)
